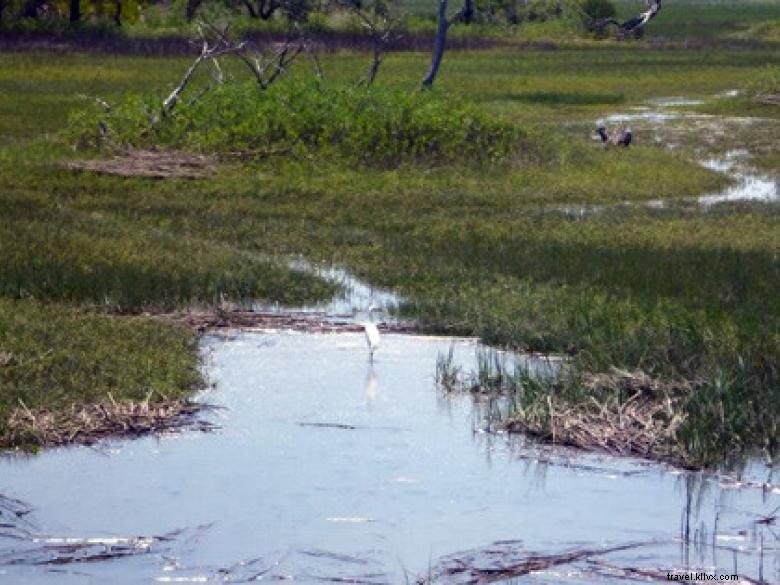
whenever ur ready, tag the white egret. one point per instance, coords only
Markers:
(372, 333)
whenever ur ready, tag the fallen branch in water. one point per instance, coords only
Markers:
(13, 519)
(507, 560)
(604, 569)
(58, 550)
(322, 425)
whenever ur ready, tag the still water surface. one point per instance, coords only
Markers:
(328, 467)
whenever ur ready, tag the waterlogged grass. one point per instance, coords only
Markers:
(480, 249)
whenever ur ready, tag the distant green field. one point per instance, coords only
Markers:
(679, 19)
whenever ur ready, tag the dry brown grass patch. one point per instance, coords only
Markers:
(645, 424)
(155, 164)
(86, 424)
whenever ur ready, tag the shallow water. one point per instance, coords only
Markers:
(748, 184)
(352, 305)
(328, 467)
(660, 123)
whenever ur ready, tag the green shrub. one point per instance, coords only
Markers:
(370, 125)
(515, 12)
(598, 9)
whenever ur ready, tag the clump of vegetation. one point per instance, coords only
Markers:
(375, 126)
(599, 9)
(694, 422)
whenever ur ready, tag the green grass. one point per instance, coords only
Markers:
(478, 249)
(55, 356)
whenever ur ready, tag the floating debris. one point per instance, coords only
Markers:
(323, 425)
(507, 560)
(307, 322)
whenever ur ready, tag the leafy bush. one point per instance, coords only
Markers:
(597, 15)
(599, 9)
(376, 126)
(515, 12)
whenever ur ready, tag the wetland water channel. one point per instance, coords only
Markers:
(329, 468)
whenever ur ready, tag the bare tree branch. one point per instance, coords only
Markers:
(638, 23)
(257, 64)
(382, 28)
(207, 52)
(634, 26)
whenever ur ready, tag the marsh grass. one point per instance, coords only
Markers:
(92, 258)
(693, 423)
(55, 356)
(90, 423)
(677, 293)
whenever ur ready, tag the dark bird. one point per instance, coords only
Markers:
(619, 136)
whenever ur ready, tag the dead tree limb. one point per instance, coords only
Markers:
(208, 51)
(382, 27)
(282, 59)
(634, 26)
(264, 69)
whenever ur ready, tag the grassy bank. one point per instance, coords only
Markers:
(481, 249)
(55, 356)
